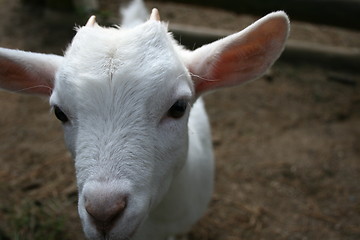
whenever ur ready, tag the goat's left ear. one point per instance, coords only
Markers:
(240, 57)
(27, 72)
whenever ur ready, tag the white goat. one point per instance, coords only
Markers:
(129, 100)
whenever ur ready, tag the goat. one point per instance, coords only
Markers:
(129, 99)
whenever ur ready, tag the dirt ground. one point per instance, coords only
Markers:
(287, 146)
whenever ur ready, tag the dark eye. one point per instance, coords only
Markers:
(60, 114)
(178, 109)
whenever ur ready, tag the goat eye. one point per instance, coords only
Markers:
(60, 115)
(178, 109)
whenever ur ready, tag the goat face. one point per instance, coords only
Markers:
(125, 110)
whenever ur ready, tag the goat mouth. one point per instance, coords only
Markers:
(108, 235)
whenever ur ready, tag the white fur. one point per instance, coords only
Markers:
(116, 86)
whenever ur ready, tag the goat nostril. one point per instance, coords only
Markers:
(104, 212)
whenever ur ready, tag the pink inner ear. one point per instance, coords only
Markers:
(241, 61)
(243, 56)
(235, 66)
(18, 79)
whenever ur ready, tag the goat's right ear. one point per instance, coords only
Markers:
(27, 72)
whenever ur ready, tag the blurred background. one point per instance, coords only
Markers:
(287, 145)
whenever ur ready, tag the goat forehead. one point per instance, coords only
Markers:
(105, 50)
(141, 55)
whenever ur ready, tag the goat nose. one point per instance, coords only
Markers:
(104, 207)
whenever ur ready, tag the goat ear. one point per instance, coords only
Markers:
(28, 72)
(240, 57)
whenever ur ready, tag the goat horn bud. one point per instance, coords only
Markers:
(155, 15)
(91, 22)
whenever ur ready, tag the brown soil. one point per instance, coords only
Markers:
(287, 146)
